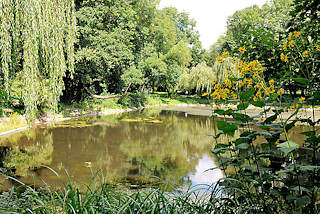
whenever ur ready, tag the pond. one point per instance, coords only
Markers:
(152, 145)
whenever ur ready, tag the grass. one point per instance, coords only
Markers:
(133, 100)
(14, 121)
(101, 198)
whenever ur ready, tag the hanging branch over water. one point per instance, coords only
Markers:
(37, 42)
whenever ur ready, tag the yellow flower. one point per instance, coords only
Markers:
(234, 96)
(240, 83)
(225, 54)
(318, 47)
(302, 99)
(216, 108)
(290, 36)
(242, 49)
(305, 53)
(280, 91)
(255, 99)
(205, 94)
(261, 119)
(285, 108)
(285, 46)
(292, 107)
(297, 105)
(271, 82)
(284, 57)
(217, 86)
(296, 33)
(291, 43)
(213, 80)
(219, 59)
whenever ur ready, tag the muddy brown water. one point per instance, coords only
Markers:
(165, 144)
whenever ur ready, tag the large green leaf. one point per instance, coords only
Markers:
(301, 81)
(288, 147)
(227, 128)
(242, 106)
(302, 201)
(241, 117)
(258, 103)
(246, 95)
(271, 119)
(243, 146)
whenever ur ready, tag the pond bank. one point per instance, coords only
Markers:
(251, 111)
(76, 114)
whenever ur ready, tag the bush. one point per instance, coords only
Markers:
(133, 99)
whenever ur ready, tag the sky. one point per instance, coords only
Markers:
(210, 15)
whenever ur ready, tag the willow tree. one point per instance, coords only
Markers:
(36, 44)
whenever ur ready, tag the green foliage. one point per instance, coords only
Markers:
(99, 197)
(198, 77)
(266, 171)
(37, 40)
(115, 36)
(133, 100)
(260, 30)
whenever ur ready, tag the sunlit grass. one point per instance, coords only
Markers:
(97, 197)
(14, 121)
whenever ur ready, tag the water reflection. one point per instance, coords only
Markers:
(170, 145)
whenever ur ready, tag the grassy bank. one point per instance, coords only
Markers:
(13, 121)
(131, 100)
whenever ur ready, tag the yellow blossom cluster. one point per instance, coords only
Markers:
(242, 49)
(305, 53)
(284, 57)
(249, 76)
(225, 54)
(219, 59)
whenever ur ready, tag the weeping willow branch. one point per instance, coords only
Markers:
(37, 42)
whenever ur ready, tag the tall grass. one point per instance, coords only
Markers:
(97, 197)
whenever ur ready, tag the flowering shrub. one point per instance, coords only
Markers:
(268, 172)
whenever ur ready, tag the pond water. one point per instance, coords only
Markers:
(168, 145)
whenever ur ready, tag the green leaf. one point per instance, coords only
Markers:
(223, 112)
(302, 201)
(246, 95)
(241, 117)
(271, 119)
(308, 168)
(288, 147)
(227, 128)
(290, 125)
(242, 106)
(301, 81)
(258, 103)
(220, 148)
(243, 146)
(309, 133)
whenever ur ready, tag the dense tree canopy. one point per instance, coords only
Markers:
(36, 40)
(116, 36)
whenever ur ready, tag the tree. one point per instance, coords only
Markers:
(36, 39)
(261, 31)
(111, 37)
(305, 16)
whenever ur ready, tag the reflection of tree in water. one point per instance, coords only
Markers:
(170, 149)
(35, 149)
